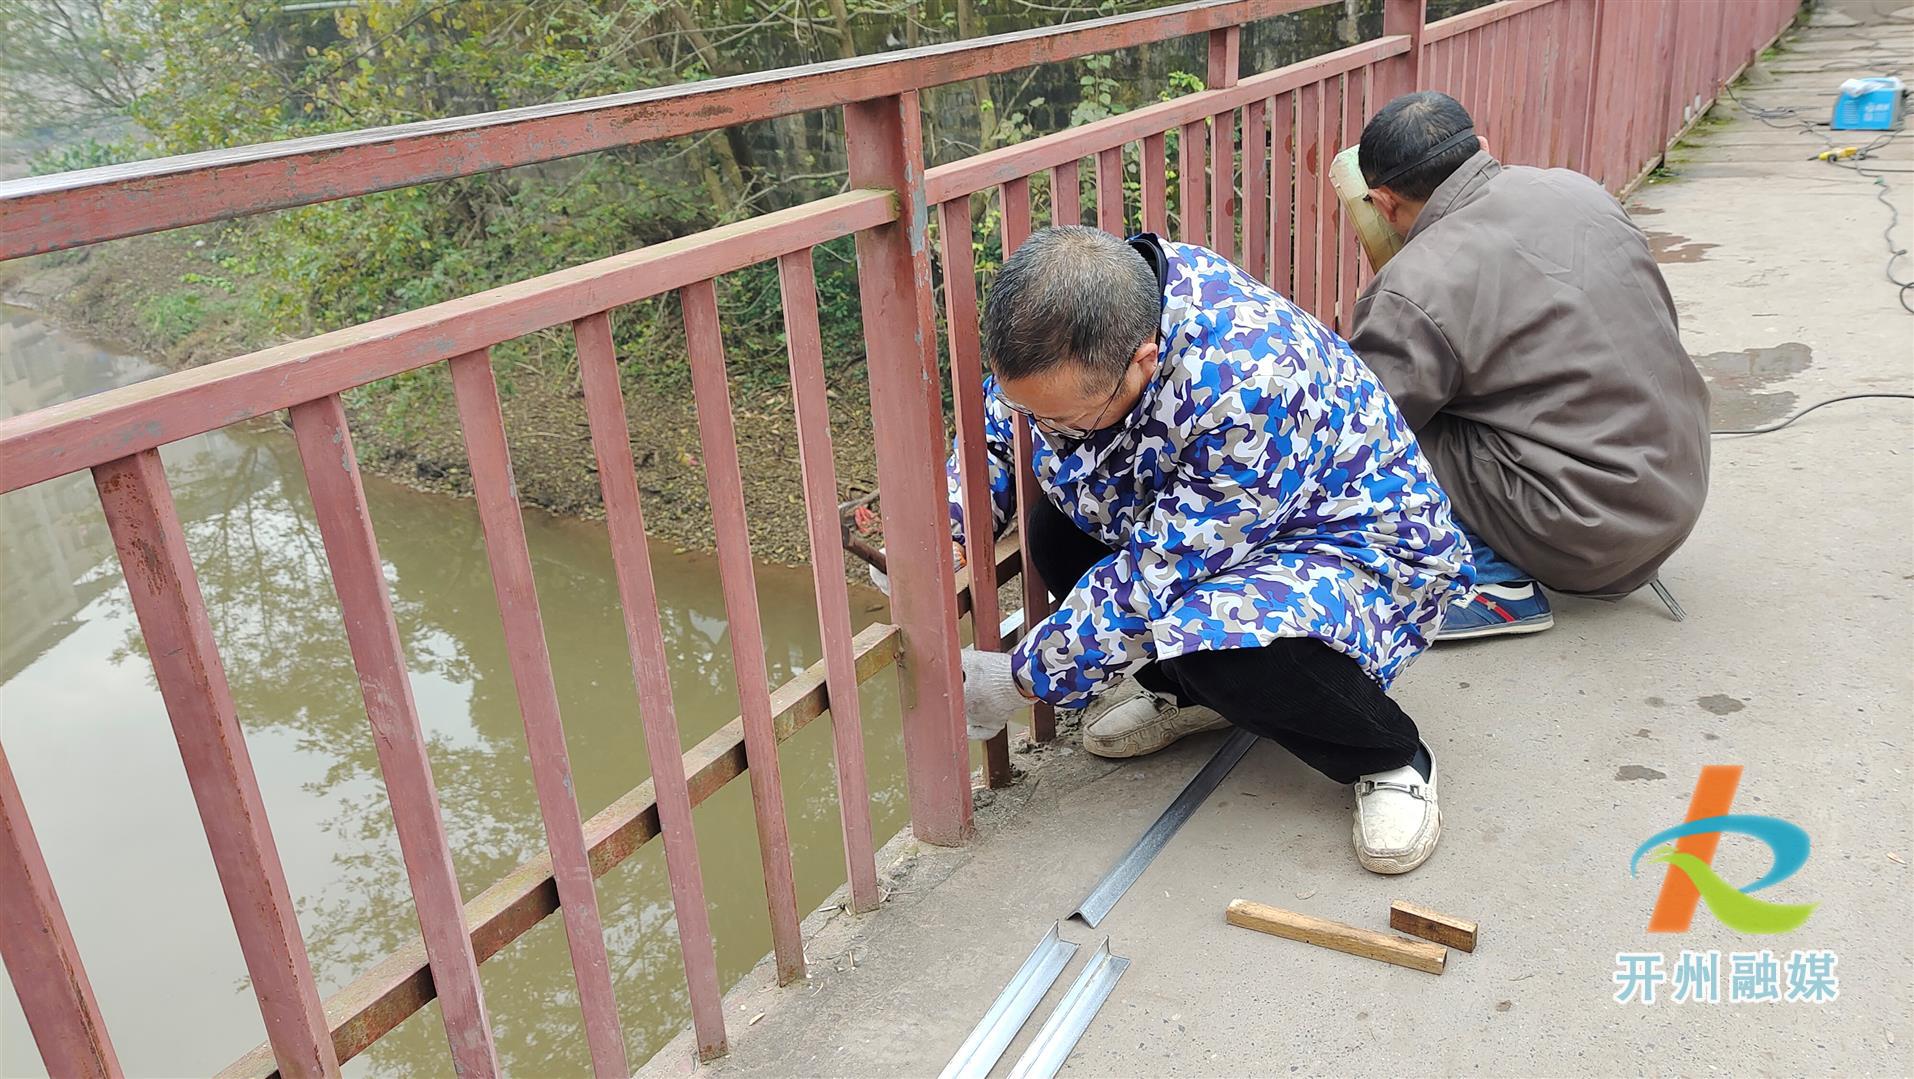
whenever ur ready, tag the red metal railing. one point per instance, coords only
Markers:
(1600, 85)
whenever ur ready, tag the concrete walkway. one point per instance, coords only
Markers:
(1560, 752)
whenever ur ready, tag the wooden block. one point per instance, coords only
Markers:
(1324, 933)
(1432, 925)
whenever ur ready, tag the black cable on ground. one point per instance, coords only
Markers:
(1855, 164)
(1811, 408)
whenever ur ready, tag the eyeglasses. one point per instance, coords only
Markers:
(1062, 430)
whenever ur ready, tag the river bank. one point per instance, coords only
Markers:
(164, 298)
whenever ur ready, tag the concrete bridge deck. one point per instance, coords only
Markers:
(1560, 752)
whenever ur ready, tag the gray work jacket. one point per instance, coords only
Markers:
(1530, 340)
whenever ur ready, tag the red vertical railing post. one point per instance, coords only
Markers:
(1036, 598)
(372, 634)
(1192, 185)
(1400, 74)
(1110, 191)
(724, 482)
(475, 393)
(1225, 46)
(1328, 206)
(1282, 194)
(1015, 228)
(884, 142)
(1256, 189)
(650, 667)
(1156, 195)
(810, 400)
(151, 545)
(37, 947)
(1309, 171)
(1533, 93)
(1066, 195)
(1587, 157)
(973, 451)
(1347, 252)
(1036, 591)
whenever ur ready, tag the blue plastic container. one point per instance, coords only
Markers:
(1872, 104)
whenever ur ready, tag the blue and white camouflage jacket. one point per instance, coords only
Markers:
(1264, 486)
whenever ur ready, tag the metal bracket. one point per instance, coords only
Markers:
(1668, 598)
(1061, 1032)
(1008, 1013)
(1097, 904)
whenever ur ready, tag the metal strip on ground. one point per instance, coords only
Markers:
(1097, 904)
(1061, 1032)
(1008, 1013)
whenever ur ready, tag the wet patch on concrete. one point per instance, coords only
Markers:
(1654, 702)
(1669, 247)
(1629, 772)
(1737, 381)
(1720, 704)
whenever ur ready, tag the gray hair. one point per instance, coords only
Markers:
(1070, 293)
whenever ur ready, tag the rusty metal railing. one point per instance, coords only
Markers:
(1599, 85)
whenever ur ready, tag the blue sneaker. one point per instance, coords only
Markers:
(1495, 610)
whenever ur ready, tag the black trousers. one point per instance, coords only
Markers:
(1302, 694)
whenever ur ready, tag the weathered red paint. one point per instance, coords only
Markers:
(1224, 66)
(1346, 251)
(1282, 194)
(1036, 593)
(967, 393)
(75, 435)
(1192, 184)
(1397, 76)
(372, 634)
(645, 641)
(797, 287)
(1256, 189)
(493, 488)
(1309, 174)
(41, 958)
(1156, 214)
(1110, 191)
(724, 482)
(886, 149)
(1066, 195)
(151, 546)
(1485, 16)
(1016, 214)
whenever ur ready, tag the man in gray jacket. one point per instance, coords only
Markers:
(1527, 335)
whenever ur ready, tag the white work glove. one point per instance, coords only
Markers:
(991, 694)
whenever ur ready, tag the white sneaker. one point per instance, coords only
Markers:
(1130, 721)
(1397, 820)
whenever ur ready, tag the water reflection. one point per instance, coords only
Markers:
(89, 741)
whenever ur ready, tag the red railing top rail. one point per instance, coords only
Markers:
(1480, 17)
(71, 209)
(74, 435)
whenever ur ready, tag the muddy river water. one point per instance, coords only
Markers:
(89, 743)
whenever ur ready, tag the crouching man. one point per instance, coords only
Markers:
(1527, 335)
(1237, 518)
